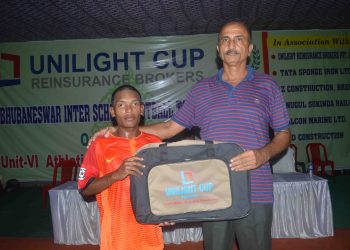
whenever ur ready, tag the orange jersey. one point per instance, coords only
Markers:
(119, 228)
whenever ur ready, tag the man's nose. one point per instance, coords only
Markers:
(232, 43)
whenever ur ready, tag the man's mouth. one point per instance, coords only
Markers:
(231, 52)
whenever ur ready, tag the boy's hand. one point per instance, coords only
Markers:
(130, 166)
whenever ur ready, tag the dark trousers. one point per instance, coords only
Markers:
(252, 232)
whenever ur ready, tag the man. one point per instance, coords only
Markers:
(105, 173)
(237, 105)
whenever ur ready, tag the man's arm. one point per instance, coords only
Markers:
(164, 130)
(130, 166)
(252, 159)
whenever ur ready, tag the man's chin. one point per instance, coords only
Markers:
(233, 58)
(232, 63)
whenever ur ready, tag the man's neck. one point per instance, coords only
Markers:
(234, 74)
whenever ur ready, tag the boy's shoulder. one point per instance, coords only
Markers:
(150, 137)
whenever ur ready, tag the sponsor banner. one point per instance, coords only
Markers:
(313, 70)
(55, 94)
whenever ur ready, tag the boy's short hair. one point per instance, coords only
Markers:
(122, 87)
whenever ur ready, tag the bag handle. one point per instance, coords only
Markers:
(164, 150)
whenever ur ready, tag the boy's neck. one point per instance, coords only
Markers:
(127, 132)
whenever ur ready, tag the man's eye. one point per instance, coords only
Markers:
(239, 39)
(224, 40)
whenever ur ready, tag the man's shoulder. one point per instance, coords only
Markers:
(205, 82)
(264, 80)
(209, 79)
(262, 75)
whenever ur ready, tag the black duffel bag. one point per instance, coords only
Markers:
(189, 181)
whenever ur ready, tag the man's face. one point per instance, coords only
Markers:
(234, 46)
(127, 108)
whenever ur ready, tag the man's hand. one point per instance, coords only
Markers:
(130, 166)
(248, 160)
(105, 132)
(252, 159)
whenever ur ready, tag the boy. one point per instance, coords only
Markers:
(105, 172)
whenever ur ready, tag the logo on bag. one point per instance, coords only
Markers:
(189, 189)
(186, 177)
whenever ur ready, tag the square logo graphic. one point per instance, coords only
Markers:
(16, 72)
(186, 177)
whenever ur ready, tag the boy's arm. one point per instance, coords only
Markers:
(130, 166)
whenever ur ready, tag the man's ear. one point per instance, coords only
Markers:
(250, 49)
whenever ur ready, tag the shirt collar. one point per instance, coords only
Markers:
(248, 77)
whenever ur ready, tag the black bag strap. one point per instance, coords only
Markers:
(164, 150)
(210, 149)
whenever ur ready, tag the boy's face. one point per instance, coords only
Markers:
(127, 109)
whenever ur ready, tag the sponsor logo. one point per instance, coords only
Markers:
(186, 177)
(16, 72)
(82, 174)
(188, 189)
(110, 160)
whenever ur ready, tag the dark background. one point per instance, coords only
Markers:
(37, 20)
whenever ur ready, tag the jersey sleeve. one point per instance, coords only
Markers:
(89, 168)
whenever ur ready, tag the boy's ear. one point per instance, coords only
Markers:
(142, 112)
(111, 111)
